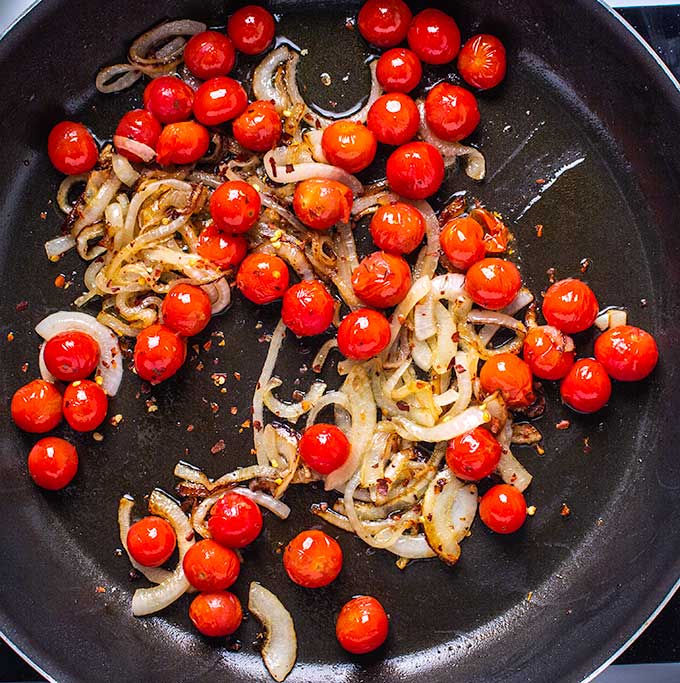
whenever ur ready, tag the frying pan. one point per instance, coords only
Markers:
(585, 108)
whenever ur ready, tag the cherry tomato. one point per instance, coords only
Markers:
(52, 463)
(151, 541)
(496, 233)
(312, 559)
(320, 203)
(493, 283)
(481, 61)
(451, 112)
(141, 126)
(434, 36)
(262, 278)
(71, 148)
(384, 22)
(363, 333)
(503, 509)
(397, 228)
(415, 170)
(209, 566)
(36, 407)
(548, 352)
(307, 308)
(362, 625)
(235, 206)
(85, 405)
(393, 118)
(462, 241)
(216, 614)
(399, 70)
(473, 455)
(224, 250)
(169, 99)
(209, 54)
(159, 353)
(324, 448)
(586, 387)
(381, 280)
(628, 353)
(235, 521)
(510, 375)
(570, 306)
(259, 127)
(252, 29)
(349, 145)
(182, 143)
(71, 355)
(186, 309)
(219, 100)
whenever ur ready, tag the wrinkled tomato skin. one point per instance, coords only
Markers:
(384, 23)
(434, 37)
(307, 308)
(312, 559)
(415, 170)
(258, 128)
(159, 353)
(151, 541)
(586, 388)
(36, 407)
(85, 405)
(182, 143)
(251, 29)
(262, 278)
(473, 455)
(451, 112)
(363, 334)
(324, 448)
(209, 54)
(224, 250)
(349, 145)
(399, 70)
(219, 100)
(511, 376)
(141, 126)
(71, 355)
(503, 509)
(493, 283)
(186, 309)
(235, 521)
(321, 203)
(362, 625)
(628, 353)
(548, 352)
(235, 206)
(462, 241)
(482, 61)
(393, 119)
(71, 148)
(169, 99)
(397, 228)
(381, 280)
(217, 614)
(52, 463)
(209, 566)
(570, 306)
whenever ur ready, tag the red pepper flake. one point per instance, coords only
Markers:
(219, 378)
(349, 23)
(10, 336)
(565, 510)
(199, 366)
(402, 405)
(43, 215)
(245, 424)
(59, 281)
(587, 448)
(237, 376)
(22, 306)
(190, 428)
(214, 407)
(563, 424)
(208, 345)
(100, 589)
(233, 410)
(189, 537)
(298, 395)
(540, 181)
(264, 339)
(195, 348)
(551, 275)
(218, 447)
(539, 230)
(585, 264)
(24, 367)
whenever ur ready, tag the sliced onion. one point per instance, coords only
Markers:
(272, 203)
(425, 325)
(117, 77)
(524, 298)
(142, 46)
(124, 170)
(65, 188)
(450, 286)
(419, 289)
(144, 152)
(279, 508)
(612, 317)
(445, 348)
(338, 398)
(413, 547)
(370, 202)
(483, 317)
(263, 78)
(322, 354)
(44, 372)
(447, 398)
(219, 294)
(291, 411)
(430, 253)
(444, 431)
(313, 139)
(183, 470)
(422, 355)
(509, 468)
(374, 94)
(57, 247)
(245, 474)
(93, 211)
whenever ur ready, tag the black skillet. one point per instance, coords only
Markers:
(550, 603)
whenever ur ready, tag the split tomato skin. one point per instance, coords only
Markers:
(259, 127)
(362, 625)
(503, 509)
(312, 559)
(182, 143)
(510, 375)
(462, 240)
(628, 353)
(219, 100)
(324, 448)
(307, 308)
(349, 145)
(224, 250)
(262, 278)
(52, 463)
(549, 353)
(321, 203)
(217, 614)
(151, 541)
(397, 228)
(482, 61)
(36, 407)
(235, 206)
(586, 388)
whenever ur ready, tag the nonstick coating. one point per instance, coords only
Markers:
(586, 109)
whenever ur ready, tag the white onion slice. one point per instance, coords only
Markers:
(264, 87)
(124, 170)
(313, 139)
(612, 317)
(44, 372)
(291, 411)
(374, 94)
(509, 468)
(425, 325)
(450, 286)
(57, 247)
(219, 294)
(412, 547)
(445, 348)
(331, 398)
(144, 152)
(277, 507)
(469, 419)
(427, 265)
(419, 289)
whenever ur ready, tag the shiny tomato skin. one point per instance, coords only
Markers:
(209, 566)
(141, 126)
(219, 100)
(482, 61)
(381, 280)
(586, 388)
(451, 112)
(235, 206)
(349, 145)
(362, 625)
(71, 148)
(36, 407)
(415, 170)
(216, 614)
(548, 352)
(510, 375)
(397, 228)
(384, 23)
(503, 509)
(159, 353)
(235, 521)
(399, 70)
(570, 306)
(312, 559)
(434, 37)
(262, 278)
(209, 54)
(182, 143)
(324, 448)
(307, 308)
(251, 29)
(71, 355)
(224, 250)
(186, 309)
(473, 455)
(462, 241)
(628, 353)
(52, 463)
(493, 283)
(151, 541)
(85, 405)
(258, 127)
(393, 119)
(363, 333)
(169, 99)
(321, 203)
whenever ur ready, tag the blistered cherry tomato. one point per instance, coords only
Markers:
(151, 541)
(85, 405)
(321, 203)
(209, 54)
(570, 306)
(52, 463)
(510, 375)
(141, 126)
(235, 206)
(71, 355)
(628, 353)
(586, 387)
(548, 352)
(186, 309)
(493, 283)
(307, 308)
(258, 127)
(473, 455)
(363, 333)
(399, 70)
(36, 407)
(262, 278)
(216, 614)
(381, 279)
(219, 100)
(235, 521)
(462, 241)
(169, 99)
(209, 566)
(451, 111)
(252, 29)
(481, 61)
(384, 22)
(159, 353)
(393, 118)
(224, 250)
(397, 228)
(324, 448)
(349, 145)
(71, 148)
(434, 36)
(312, 559)
(182, 143)
(415, 170)
(503, 509)
(362, 625)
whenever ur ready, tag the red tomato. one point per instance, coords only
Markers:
(570, 306)
(363, 333)
(235, 521)
(320, 203)
(182, 143)
(394, 119)
(209, 54)
(216, 614)
(159, 353)
(252, 29)
(496, 233)
(71, 148)
(399, 70)
(307, 308)
(151, 541)
(628, 353)
(138, 125)
(397, 228)
(462, 240)
(510, 375)
(503, 509)
(384, 22)
(262, 278)
(169, 99)
(259, 127)
(71, 355)
(381, 280)
(224, 250)
(235, 206)
(36, 407)
(209, 566)
(451, 112)
(548, 352)
(52, 463)
(312, 559)
(186, 309)
(85, 405)
(349, 145)
(473, 455)
(434, 36)
(415, 170)
(586, 387)
(219, 100)
(362, 625)
(493, 283)
(324, 448)
(482, 61)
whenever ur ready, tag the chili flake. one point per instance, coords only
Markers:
(218, 447)
(565, 511)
